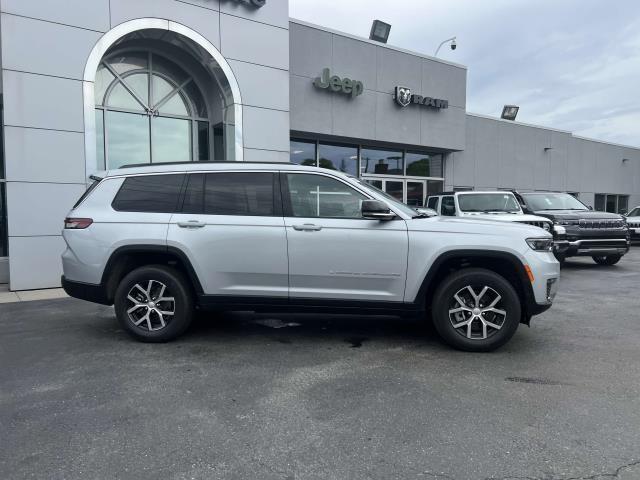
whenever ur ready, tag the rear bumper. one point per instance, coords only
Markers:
(85, 291)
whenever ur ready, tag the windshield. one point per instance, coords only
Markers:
(635, 212)
(488, 202)
(390, 200)
(553, 201)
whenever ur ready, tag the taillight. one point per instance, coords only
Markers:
(77, 223)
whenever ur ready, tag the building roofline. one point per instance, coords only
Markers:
(579, 137)
(522, 124)
(377, 44)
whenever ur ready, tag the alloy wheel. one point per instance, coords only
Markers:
(150, 308)
(477, 316)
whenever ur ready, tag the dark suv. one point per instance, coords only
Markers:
(603, 236)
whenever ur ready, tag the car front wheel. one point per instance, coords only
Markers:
(154, 303)
(608, 260)
(476, 310)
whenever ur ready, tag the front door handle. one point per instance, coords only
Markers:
(191, 224)
(307, 227)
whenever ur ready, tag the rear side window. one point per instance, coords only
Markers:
(149, 193)
(233, 193)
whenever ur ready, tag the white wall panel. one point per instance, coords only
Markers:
(35, 262)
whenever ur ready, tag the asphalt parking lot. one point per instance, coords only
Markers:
(305, 397)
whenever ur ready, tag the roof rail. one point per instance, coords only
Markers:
(137, 165)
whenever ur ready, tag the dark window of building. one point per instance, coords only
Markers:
(612, 203)
(149, 193)
(395, 189)
(381, 162)
(239, 194)
(599, 202)
(448, 207)
(3, 221)
(435, 187)
(303, 152)
(623, 204)
(423, 164)
(319, 196)
(338, 157)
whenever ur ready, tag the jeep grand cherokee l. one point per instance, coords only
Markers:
(602, 236)
(160, 240)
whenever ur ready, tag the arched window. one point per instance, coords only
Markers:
(148, 110)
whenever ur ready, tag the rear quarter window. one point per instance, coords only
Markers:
(149, 194)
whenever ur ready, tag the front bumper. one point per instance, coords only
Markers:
(598, 246)
(546, 273)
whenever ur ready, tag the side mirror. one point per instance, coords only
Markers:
(527, 210)
(376, 210)
(589, 207)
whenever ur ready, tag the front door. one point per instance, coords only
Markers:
(232, 230)
(334, 253)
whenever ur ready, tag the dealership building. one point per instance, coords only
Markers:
(93, 85)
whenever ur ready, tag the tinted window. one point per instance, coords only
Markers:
(488, 202)
(433, 203)
(303, 152)
(230, 194)
(423, 164)
(150, 193)
(448, 207)
(319, 196)
(553, 201)
(338, 157)
(383, 162)
(635, 212)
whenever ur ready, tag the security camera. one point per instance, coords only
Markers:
(454, 45)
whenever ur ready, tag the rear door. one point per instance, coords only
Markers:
(231, 228)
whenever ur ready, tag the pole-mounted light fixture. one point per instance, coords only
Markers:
(380, 31)
(510, 112)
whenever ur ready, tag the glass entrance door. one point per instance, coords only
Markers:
(412, 192)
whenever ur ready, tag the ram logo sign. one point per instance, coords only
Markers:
(404, 98)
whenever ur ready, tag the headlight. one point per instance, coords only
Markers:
(540, 244)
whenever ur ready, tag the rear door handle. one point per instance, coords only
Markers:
(307, 227)
(191, 224)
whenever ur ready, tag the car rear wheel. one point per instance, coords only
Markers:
(608, 260)
(476, 310)
(154, 303)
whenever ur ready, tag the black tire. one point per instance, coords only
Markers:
(608, 260)
(476, 278)
(151, 278)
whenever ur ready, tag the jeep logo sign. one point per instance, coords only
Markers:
(337, 84)
(404, 97)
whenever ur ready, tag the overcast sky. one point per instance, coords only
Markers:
(569, 64)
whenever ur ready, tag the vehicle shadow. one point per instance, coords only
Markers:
(354, 331)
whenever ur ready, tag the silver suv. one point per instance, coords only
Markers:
(159, 241)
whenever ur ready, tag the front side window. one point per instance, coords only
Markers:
(149, 193)
(317, 196)
(233, 193)
(433, 203)
(488, 202)
(448, 207)
(148, 110)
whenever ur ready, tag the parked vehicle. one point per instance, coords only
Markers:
(601, 235)
(492, 205)
(633, 222)
(159, 240)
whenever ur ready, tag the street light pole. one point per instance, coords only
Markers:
(453, 45)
